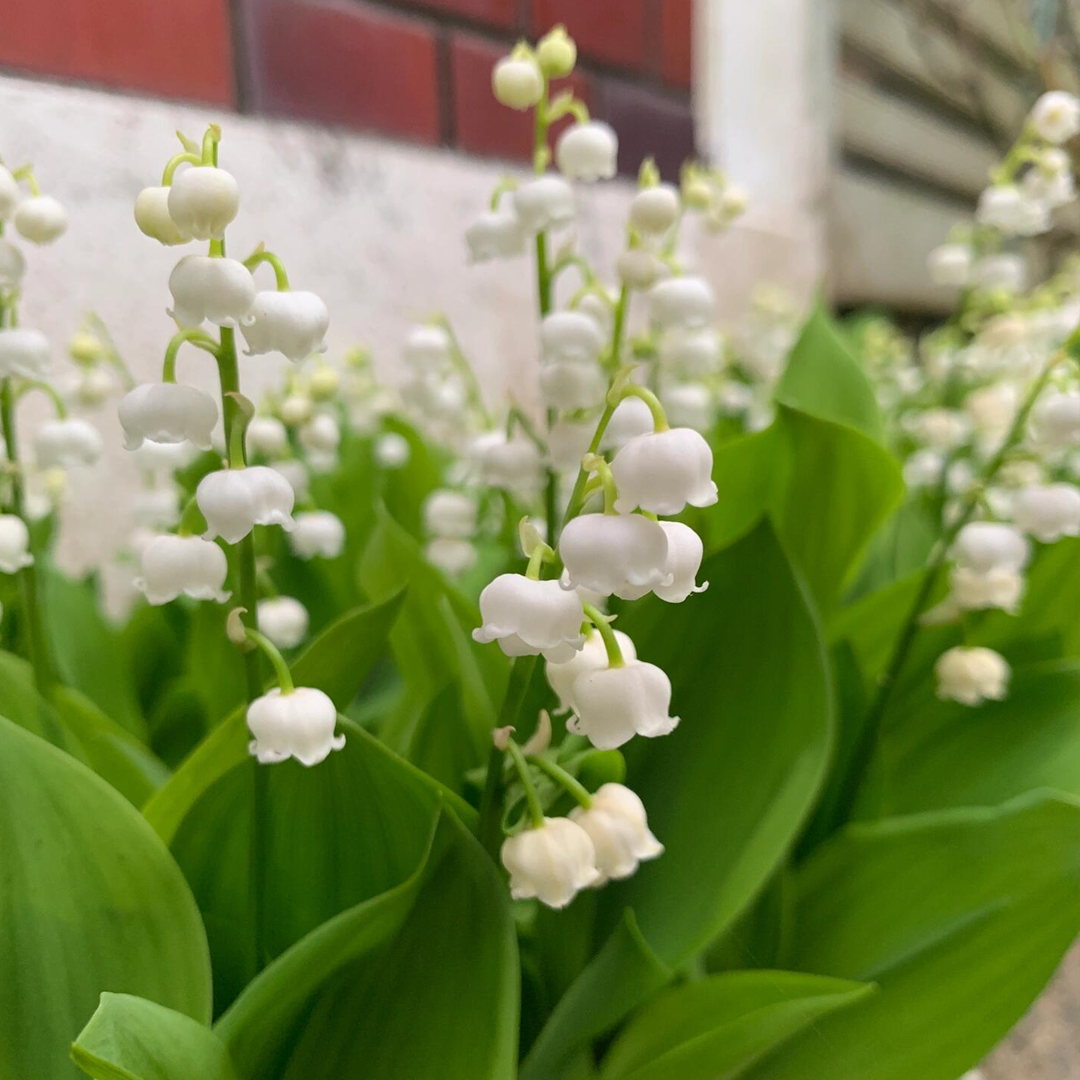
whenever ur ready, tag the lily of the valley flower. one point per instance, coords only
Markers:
(655, 209)
(621, 554)
(619, 829)
(1048, 512)
(495, 234)
(588, 151)
(451, 555)
(317, 534)
(450, 514)
(567, 386)
(570, 336)
(23, 353)
(988, 545)
(203, 200)
(67, 443)
(234, 501)
(266, 435)
(663, 471)
(616, 703)
(529, 617)
(182, 565)
(283, 619)
(167, 413)
(506, 463)
(544, 203)
(950, 264)
(291, 323)
(1056, 116)
(685, 551)
(1055, 420)
(592, 657)
(219, 290)
(686, 303)
(41, 219)
(320, 434)
(552, 862)
(298, 724)
(153, 217)
(9, 194)
(14, 544)
(12, 265)
(972, 675)
(517, 82)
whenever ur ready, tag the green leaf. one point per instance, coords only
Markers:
(130, 1038)
(90, 900)
(960, 916)
(622, 974)
(407, 487)
(750, 682)
(717, 1028)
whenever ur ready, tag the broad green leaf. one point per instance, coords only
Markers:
(717, 1028)
(622, 974)
(822, 379)
(901, 547)
(406, 488)
(959, 916)
(212, 663)
(130, 1038)
(90, 901)
(152, 639)
(439, 1000)
(23, 705)
(750, 682)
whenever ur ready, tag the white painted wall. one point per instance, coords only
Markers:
(374, 226)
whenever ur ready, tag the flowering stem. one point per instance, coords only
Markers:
(599, 465)
(611, 642)
(660, 422)
(192, 520)
(465, 370)
(506, 184)
(561, 777)
(174, 162)
(280, 276)
(281, 669)
(618, 327)
(198, 338)
(532, 800)
(58, 402)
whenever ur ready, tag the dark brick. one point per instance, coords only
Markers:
(676, 34)
(613, 31)
(343, 62)
(180, 50)
(649, 123)
(497, 13)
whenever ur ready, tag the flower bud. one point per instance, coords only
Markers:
(924, 468)
(167, 413)
(529, 617)
(10, 195)
(495, 234)
(266, 435)
(317, 534)
(41, 219)
(427, 346)
(1055, 420)
(291, 323)
(553, 862)
(153, 218)
(624, 554)
(638, 268)
(588, 151)
(203, 200)
(950, 264)
(517, 82)
(689, 405)
(682, 302)
(630, 419)
(1048, 512)
(570, 336)
(556, 53)
(283, 620)
(655, 209)
(221, 290)
(320, 434)
(296, 409)
(66, 443)
(392, 450)
(972, 675)
(324, 382)
(663, 471)
(544, 203)
(156, 507)
(299, 725)
(12, 265)
(592, 657)
(569, 386)
(617, 703)
(182, 565)
(234, 501)
(93, 386)
(15, 544)
(451, 514)
(451, 556)
(987, 545)
(693, 352)
(295, 474)
(23, 352)
(513, 464)
(568, 441)
(1056, 116)
(618, 827)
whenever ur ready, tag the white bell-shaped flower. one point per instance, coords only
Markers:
(283, 619)
(517, 82)
(182, 565)
(568, 441)
(619, 829)
(552, 863)
(639, 268)
(221, 290)
(979, 590)
(1009, 208)
(685, 551)
(600, 307)
(624, 554)
(1006, 270)
(153, 217)
(689, 405)
(588, 151)
(451, 555)
(296, 409)
(685, 303)
(655, 209)
(567, 386)
(318, 534)
(630, 419)
(972, 675)
(203, 200)
(451, 514)
(940, 429)
(10, 194)
(529, 617)
(1055, 420)
(23, 353)
(234, 501)
(295, 475)
(989, 545)
(992, 408)
(592, 657)
(266, 435)
(570, 337)
(297, 725)
(15, 544)
(392, 450)
(617, 703)
(93, 386)
(320, 434)
(66, 443)
(1048, 512)
(663, 471)
(544, 203)
(950, 264)
(12, 265)
(167, 413)
(41, 219)
(924, 468)
(156, 507)
(1055, 117)
(495, 234)
(693, 353)
(291, 323)
(427, 347)
(506, 463)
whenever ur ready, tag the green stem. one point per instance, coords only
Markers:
(280, 277)
(618, 328)
(561, 777)
(281, 669)
(660, 422)
(198, 338)
(611, 642)
(44, 388)
(175, 161)
(532, 800)
(192, 521)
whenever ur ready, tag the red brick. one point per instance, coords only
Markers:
(173, 49)
(343, 62)
(612, 31)
(481, 124)
(498, 13)
(676, 19)
(649, 123)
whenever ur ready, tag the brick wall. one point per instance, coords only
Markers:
(411, 69)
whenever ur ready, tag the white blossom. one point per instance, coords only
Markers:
(495, 234)
(283, 619)
(592, 657)
(291, 323)
(568, 441)
(685, 551)
(972, 675)
(66, 443)
(451, 555)
(531, 617)
(156, 507)
(567, 386)
(693, 352)
(266, 435)
(153, 217)
(1048, 512)
(570, 336)
(618, 827)
(588, 151)
(320, 434)
(167, 412)
(41, 219)
(939, 428)
(685, 303)
(182, 565)
(639, 268)
(1004, 270)
(517, 82)
(15, 544)
(1056, 116)
(1009, 208)
(544, 203)
(427, 346)
(663, 471)
(553, 862)
(450, 514)
(298, 725)
(992, 408)
(203, 200)
(295, 475)
(505, 463)
(23, 353)
(624, 554)
(317, 534)
(950, 264)
(12, 265)
(630, 419)
(296, 409)
(655, 209)
(689, 405)
(1055, 419)
(616, 703)
(221, 290)
(977, 590)
(988, 545)
(392, 450)
(9, 194)
(234, 501)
